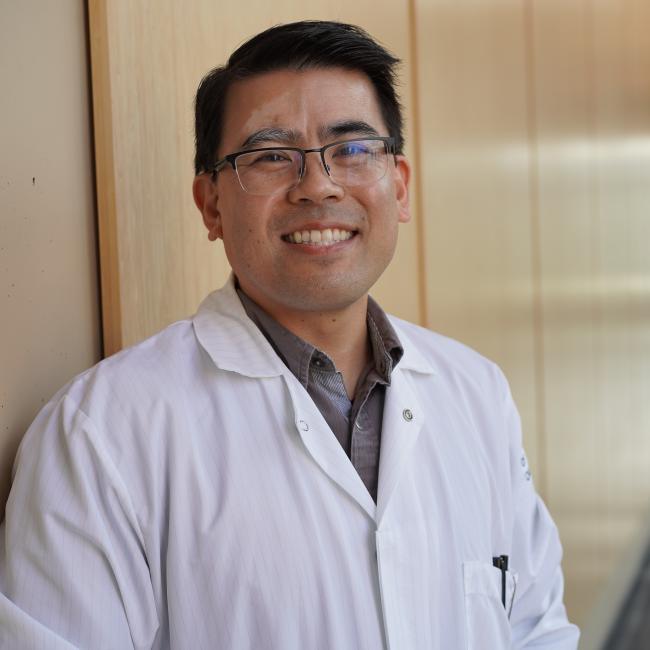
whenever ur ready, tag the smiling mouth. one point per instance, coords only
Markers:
(325, 237)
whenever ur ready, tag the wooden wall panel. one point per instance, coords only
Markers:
(148, 58)
(592, 110)
(476, 202)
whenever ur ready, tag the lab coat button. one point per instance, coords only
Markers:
(303, 425)
(407, 414)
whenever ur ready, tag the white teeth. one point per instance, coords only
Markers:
(319, 237)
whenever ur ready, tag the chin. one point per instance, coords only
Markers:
(319, 297)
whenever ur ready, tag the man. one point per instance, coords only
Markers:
(290, 468)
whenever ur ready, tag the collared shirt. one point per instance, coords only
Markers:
(356, 423)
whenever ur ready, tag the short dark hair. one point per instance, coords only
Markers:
(296, 46)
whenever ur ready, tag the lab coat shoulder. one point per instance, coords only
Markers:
(455, 363)
(135, 379)
(125, 403)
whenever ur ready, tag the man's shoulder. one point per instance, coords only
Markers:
(165, 346)
(124, 397)
(142, 369)
(442, 347)
(447, 356)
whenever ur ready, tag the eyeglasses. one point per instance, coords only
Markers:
(271, 170)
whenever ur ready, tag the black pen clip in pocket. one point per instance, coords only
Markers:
(501, 563)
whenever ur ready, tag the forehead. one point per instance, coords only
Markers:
(305, 101)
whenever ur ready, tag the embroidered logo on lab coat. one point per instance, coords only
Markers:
(524, 465)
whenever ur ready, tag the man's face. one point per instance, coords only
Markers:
(307, 109)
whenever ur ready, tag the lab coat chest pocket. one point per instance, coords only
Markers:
(487, 618)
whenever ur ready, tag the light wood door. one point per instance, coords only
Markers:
(148, 58)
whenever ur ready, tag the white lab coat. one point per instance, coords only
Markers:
(187, 493)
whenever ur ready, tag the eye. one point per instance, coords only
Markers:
(352, 149)
(270, 158)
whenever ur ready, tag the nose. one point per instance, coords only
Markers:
(315, 185)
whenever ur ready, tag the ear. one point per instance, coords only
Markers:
(204, 190)
(402, 178)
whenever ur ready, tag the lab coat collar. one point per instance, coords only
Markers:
(235, 343)
(231, 339)
(413, 359)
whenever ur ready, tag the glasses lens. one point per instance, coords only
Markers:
(358, 162)
(268, 171)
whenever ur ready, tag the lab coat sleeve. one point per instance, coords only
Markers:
(73, 569)
(538, 618)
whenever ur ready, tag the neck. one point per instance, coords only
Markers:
(342, 334)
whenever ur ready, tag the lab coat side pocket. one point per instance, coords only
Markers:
(487, 619)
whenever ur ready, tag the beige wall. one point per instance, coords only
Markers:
(529, 128)
(49, 303)
(592, 121)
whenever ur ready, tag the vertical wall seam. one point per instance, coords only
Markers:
(536, 250)
(105, 184)
(417, 153)
(93, 158)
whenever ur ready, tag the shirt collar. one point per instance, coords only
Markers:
(298, 354)
(386, 347)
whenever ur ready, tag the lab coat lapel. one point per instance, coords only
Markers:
(403, 419)
(324, 448)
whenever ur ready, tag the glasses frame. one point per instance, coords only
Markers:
(231, 158)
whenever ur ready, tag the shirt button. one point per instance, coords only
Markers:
(407, 414)
(303, 425)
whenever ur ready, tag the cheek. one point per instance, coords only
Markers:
(383, 212)
(244, 235)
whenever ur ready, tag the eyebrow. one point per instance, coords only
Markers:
(293, 137)
(271, 134)
(346, 127)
